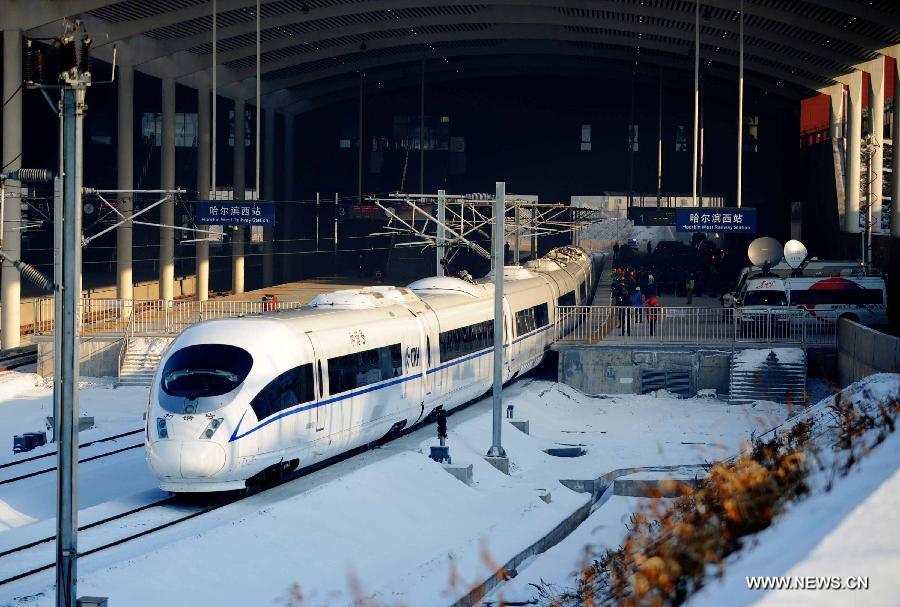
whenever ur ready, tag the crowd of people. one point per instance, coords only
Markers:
(634, 294)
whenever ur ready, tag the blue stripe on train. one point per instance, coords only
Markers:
(372, 388)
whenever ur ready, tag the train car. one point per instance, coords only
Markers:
(240, 399)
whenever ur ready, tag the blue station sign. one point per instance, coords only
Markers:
(234, 213)
(711, 219)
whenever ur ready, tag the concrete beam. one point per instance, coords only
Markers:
(536, 33)
(239, 187)
(10, 281)
(204, 149)
(852, 146)
(539, 15)
(167, 182)
(125, 180)
(268, 193)
(308, 85)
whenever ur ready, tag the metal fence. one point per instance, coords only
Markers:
(149, 316)
(693, 326)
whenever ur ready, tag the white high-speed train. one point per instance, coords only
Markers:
(242, 398)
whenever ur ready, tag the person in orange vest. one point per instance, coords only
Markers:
(652, 311)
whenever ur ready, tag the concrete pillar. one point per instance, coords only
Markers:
(895, 165)
(268, 193)
(237, 235)
(836, 94)
(167, 182)
(125, 181)
(854, 133)
(204, 149)
(836, 132)
(10, 281)
(876, 101)
(287, 229)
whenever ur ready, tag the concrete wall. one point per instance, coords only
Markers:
(99, 356)
(863, 351)
(597, 370)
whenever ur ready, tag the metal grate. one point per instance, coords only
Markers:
(675, 381)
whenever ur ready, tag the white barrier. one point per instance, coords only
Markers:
(690, 325)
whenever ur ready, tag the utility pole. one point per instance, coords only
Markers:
(499, 240)
(441, 248)
(75, 78)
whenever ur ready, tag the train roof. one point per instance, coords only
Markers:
(448, 285)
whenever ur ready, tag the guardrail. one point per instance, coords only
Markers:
(693, 326)
(138, 317)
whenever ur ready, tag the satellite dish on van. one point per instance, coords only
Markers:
(794, 253)
(764, 251)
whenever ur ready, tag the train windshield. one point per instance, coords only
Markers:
(205, 370)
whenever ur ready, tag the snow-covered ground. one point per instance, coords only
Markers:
(26, 400)
(389, 524)
(852, 531)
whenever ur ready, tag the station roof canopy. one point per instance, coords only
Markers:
(313, 50)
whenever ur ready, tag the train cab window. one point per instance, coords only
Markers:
(566, 300)
(363, 368)
(205, 370)
(288, 389)
(428, 350)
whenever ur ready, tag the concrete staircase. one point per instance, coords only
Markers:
(773, 374)
(139, 360)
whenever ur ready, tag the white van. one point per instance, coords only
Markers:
(821, 298)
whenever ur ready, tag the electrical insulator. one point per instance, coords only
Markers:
(68, 56)
(84, 58)
(28, 63)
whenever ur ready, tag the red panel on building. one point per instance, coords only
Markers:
(814, 114)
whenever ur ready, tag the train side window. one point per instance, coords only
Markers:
(363, 368)
(566, 300)
(288, 389)
(428, 349)
(457, 343)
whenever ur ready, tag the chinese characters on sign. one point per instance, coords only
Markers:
(725, 219)
(234, 212)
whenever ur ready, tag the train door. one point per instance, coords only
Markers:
(414, 355)
(320, 412)
(428, 359)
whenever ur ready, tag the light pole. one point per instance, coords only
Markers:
(75, 79)
(498, 238)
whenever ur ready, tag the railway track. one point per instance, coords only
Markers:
(39, 555)
(18, 357)
(15, 464)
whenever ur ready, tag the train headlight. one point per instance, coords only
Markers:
(161, 430)
(211, 427)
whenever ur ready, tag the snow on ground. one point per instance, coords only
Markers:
(26, 400)
(601, 236)
(853, 530)
(752, 358)
(390, 522)
(603, 530)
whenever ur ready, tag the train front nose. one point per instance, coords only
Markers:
(186, 459)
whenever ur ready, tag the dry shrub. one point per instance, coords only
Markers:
(669, 548)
